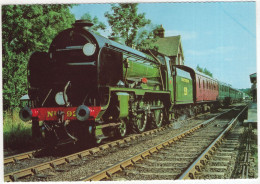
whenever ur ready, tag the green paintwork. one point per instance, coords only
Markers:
(141, 69)
(123, 99)
(184, 90)
(223, 91)
(232, 93)
(98, 130)
(137, 91)
(137, 69)
(128, 90)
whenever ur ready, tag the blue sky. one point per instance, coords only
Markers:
(220, 36)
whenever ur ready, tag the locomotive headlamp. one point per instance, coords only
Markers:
(59, 98)
(89, 49)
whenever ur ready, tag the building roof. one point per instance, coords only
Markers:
(169, 46)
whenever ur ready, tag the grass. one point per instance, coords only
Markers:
(17, 134)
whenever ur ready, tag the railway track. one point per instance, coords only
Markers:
(69, 160)
(180, 157)
(221, 163)
(216, 156)
(20, 157)
(31, 154)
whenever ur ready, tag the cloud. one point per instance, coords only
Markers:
(185, 35)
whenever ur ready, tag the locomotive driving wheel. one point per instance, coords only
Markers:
(141, 121)
(121, 130)
(138, 117)
(157, 115)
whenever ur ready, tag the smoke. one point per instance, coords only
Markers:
(144, 32)
(177, 124)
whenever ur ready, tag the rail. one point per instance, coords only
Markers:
(108, 172)
(205, 156)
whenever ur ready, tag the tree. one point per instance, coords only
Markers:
(125, 21)
(248, 91)
(97, 24)
(25, 29)
(198, 68)
(205, 71)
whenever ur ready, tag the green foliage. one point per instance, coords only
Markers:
(205, 71)
(17, 134)
(14, 78)
(247, 91)
(25, 29)
(125, 22)
(97, 24)
(198, 68)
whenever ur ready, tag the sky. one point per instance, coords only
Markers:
(219, 36)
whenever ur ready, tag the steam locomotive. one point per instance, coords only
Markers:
(87, 86)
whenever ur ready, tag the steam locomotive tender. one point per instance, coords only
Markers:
(87, 85)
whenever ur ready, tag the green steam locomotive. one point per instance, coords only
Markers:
(87, 87)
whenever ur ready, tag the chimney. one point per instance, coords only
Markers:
(83, 23)
(160, 32)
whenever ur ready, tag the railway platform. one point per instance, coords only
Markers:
(251, 115)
